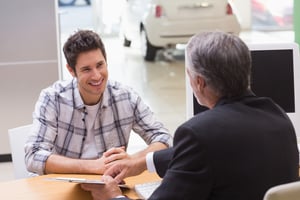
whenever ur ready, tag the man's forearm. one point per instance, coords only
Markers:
(140, 157)
(61, 164)
(156, 146)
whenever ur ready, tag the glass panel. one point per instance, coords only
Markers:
(272, 14)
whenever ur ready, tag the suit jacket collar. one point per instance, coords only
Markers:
(224, 100)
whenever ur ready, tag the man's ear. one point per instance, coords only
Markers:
(70, 69)
(201, 84)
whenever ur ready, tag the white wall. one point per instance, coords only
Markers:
(28, 59)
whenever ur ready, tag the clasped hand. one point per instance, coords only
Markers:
(113, 155)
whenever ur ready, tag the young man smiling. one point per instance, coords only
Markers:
(83, 125)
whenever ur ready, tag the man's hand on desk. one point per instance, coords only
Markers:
(121, 169)
(103, 192)
(131, 165)
(117, 162)
(108, 158)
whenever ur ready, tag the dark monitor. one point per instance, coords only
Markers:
(273, 76)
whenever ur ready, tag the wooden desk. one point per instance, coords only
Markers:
(37, 188)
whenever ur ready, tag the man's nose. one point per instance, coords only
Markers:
(96, 73)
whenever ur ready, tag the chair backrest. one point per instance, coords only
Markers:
(288, 191)
(17, 139)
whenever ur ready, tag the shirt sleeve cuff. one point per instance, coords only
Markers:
(119, 197)
(150, 162)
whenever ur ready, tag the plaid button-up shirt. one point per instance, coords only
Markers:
(59, 127)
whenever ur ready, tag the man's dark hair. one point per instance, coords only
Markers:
(82, 41)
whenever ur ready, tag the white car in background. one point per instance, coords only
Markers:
(165, 23)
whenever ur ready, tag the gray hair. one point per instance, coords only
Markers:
(223, 60)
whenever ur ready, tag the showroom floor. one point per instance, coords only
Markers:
(161, 84)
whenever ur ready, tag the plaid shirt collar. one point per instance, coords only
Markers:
(78, 102)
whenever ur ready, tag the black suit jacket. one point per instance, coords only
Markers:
(235, 151)
(161, 160)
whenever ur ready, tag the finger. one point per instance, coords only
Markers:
(86, 186)
(120, 177)
(117, 173)
(106, 178)
(111, 171)
(114, 157)
(108, 165)
(114, 150)
(109, 181)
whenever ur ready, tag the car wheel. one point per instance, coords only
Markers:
(126, 42)
(148, 50)
(66, 2)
